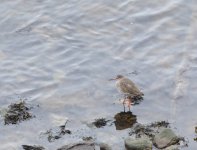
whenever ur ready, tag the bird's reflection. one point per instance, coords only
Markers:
(124, 120)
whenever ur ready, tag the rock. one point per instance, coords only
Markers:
(173, 147)
(165, 138)
(78, 146)
(28, 147)
(124, 120)
(138, 144)
(104, 146)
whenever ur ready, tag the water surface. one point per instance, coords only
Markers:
(60, 55)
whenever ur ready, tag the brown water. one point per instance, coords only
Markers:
(60, 55)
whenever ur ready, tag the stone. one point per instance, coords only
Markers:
(165, 138)
(29, 147)
(104, 146)
(79, 146)
(138, 144)
(124, 120)
(173, 147)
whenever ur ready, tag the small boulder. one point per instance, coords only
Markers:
(138, 144)
(165, 138)
(124, 120)
(104, 146)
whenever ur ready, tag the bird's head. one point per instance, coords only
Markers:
(117, 77)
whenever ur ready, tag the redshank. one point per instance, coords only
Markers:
(128, 88)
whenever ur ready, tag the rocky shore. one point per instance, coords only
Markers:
(157, 135)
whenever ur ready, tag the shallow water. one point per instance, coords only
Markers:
(60, 55)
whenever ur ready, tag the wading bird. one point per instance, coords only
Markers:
(129, 89)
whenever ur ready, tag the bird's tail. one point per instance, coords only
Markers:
(142, 94)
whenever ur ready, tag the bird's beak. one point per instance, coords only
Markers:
(112, 79)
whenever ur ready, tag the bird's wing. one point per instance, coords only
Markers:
(129, 87)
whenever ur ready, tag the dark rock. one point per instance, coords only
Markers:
(104, 146)
(138, 144)
(124, 120)
(78, 146)
(28, 147)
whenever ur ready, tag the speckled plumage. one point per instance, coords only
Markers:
(126, 86)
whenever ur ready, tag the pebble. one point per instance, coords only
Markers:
(138, 144)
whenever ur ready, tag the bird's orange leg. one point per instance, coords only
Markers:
(124, 104)
(128, 102)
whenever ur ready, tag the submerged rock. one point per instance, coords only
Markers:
(78, 146)
(28, 147)
(17, 112)
(138, 144)
(101, 122)
(165, 138)
(124, 120)
(55, 135)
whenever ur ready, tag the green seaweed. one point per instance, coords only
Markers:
(89, 138)
(100, 122)
(159, 124)
(52, 136)
(16, 113)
